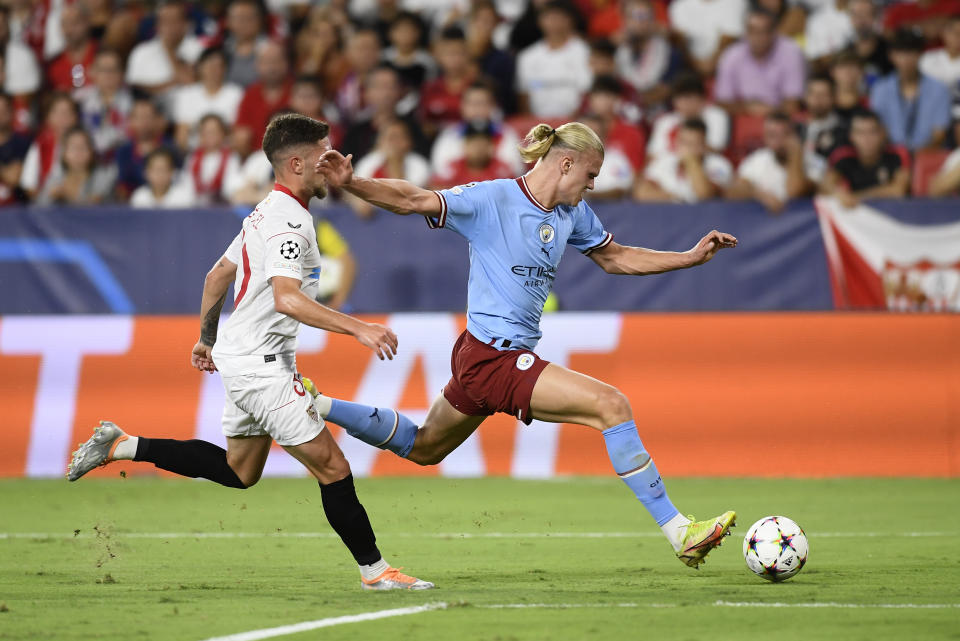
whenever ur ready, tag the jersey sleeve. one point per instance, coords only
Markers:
(285, 248)
(234, 251)
(588, 233)
(460, 208)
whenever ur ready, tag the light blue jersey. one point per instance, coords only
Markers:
(515, 249)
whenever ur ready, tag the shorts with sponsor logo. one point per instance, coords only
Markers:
(272, 403)
(486, 380)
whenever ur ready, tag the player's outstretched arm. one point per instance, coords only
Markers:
(399, 196)
(288, 299)
(621, 259)
(215, 287)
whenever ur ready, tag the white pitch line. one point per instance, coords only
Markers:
(831, 604)
(283, 630)
(421, 535)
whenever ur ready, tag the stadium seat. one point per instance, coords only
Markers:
(926, 164)
(747, 136)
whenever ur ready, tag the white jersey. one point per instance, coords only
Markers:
(278, 239)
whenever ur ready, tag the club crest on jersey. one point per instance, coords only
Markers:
(290, 250)
(546, 233)
(524, 362)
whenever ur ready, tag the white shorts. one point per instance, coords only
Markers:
(270, 403)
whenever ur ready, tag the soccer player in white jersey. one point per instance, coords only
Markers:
(517, 230)
(276, 252)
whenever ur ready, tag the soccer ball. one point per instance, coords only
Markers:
(775, 548)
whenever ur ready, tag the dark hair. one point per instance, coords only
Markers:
(79, 130)
(7, 98)
(59, 96)
(483, 84)
(561, 5)
(606, 84)
(216, 117)
(603, 46)
(483, 128)
(906, 40)
(161, 152)
(407, 16)
(766, 13)
(290, 130)
(847, 57)
(148, 100)
(779, 116)
(453, 33)
(821, 77)
(107, 51)
(209, 52)
(867, 114)
(695, 124)
(686, 83)
(313, 80)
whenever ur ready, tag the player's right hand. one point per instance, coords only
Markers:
(201, 358)
(380, 339)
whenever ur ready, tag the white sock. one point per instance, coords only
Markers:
(126, 449)
(674, 529)
(322, 404)
(370, 572)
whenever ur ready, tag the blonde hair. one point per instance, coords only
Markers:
(573, 135)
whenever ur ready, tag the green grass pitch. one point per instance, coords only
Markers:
(234, 561)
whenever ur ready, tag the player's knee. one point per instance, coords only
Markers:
(614, 407)
(426, 456)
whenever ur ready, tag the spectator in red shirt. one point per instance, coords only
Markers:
(440, 98)
(605, 103)
(479, 160)
(263, 99)
(926, 15)
(71, 69)
(393, 157)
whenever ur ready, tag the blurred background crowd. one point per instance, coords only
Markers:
(164, 105)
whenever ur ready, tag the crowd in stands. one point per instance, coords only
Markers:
(164, 105)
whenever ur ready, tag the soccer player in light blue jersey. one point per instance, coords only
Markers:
(517, 230)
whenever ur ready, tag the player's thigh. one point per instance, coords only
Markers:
(562, 395)
(443, 430)
(247, 455)
(322, 457)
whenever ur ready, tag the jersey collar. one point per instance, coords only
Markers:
(286, 190)
(522, 182)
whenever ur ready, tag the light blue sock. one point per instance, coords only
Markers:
(636, 468)
(381, 427)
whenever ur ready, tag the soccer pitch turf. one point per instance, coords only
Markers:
(149, 558)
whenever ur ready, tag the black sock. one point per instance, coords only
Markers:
(348, 519)
(196, 459)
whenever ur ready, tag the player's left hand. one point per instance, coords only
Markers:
(337, 169)
(202, 359)
(710, 245)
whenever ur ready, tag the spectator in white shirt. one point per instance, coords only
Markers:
(691, 174)
(105, 104)
(773, 174)
(478, 104)
(22, 75)
(689, 101)
(209, 95)
(553, 74)
(393, 157)
(213, 165)
(162, 190)
(943, 64)
(166, 60)
(617, 175)
(708, 27)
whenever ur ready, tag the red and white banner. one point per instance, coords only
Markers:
(877, 262)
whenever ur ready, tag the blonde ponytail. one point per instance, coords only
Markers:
(573, 135)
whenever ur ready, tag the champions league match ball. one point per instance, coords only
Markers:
(775, 548)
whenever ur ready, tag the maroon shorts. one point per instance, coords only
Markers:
(486, 380)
